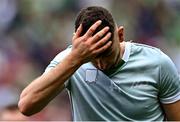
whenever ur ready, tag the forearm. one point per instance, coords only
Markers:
(85, 48)
(43, 89)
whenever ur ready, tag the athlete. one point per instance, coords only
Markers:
(107, 78)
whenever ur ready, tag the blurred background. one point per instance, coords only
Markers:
(32, 32)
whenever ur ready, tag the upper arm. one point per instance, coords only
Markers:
(169, 88)
(169, 82)
(172, 111)
(44, 88)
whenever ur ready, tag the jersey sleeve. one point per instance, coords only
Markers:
(58, 60)
(169, 83)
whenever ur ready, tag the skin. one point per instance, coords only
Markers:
(43, 89)
(172, 111)
(115, 52)
(86, 48)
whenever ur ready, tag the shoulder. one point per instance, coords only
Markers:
(147, 48)
(146, 52)
(153, 53)
(166, 65)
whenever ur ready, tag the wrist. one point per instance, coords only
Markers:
(75, 59)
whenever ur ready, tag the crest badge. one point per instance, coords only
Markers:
(91, 75)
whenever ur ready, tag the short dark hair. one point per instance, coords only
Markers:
(88, 16)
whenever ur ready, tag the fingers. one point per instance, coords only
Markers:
(93, 28)
(100, 34)
(103, 41)
(78, 32)
(92, 45)
(103, 48)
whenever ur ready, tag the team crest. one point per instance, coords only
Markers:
(91, 75)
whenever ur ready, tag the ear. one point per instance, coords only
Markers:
(121, 33)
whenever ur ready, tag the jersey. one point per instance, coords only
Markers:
(133, 91)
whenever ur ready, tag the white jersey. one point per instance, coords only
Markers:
(132, 91)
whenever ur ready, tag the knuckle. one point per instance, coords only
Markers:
(98, 36)
(104, 41)
(106, 37)
(103, 48)
(94, 52)
(83, 39)
(91, 49)
(87, 44)
(97, 24)
(88, 41)
(104, 30)
(101, 42)
(92, 30)
(109, 35)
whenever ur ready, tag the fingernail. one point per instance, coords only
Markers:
(99, 21)
(110, 42)
(107, 28)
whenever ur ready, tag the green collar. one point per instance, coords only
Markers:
(112, 71)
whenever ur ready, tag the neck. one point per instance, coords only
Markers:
(120, 53)
(122, 49)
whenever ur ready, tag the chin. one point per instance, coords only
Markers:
(106, 68)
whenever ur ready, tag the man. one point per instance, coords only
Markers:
(106, 77)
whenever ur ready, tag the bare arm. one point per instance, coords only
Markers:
(43, 89)
(172, 111)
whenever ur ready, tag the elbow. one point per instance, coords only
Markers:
(28, 106)
(24, 108)
(24, 105)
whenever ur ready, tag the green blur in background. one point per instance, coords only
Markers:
(32, 32)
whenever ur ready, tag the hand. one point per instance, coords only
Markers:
(85, 48)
